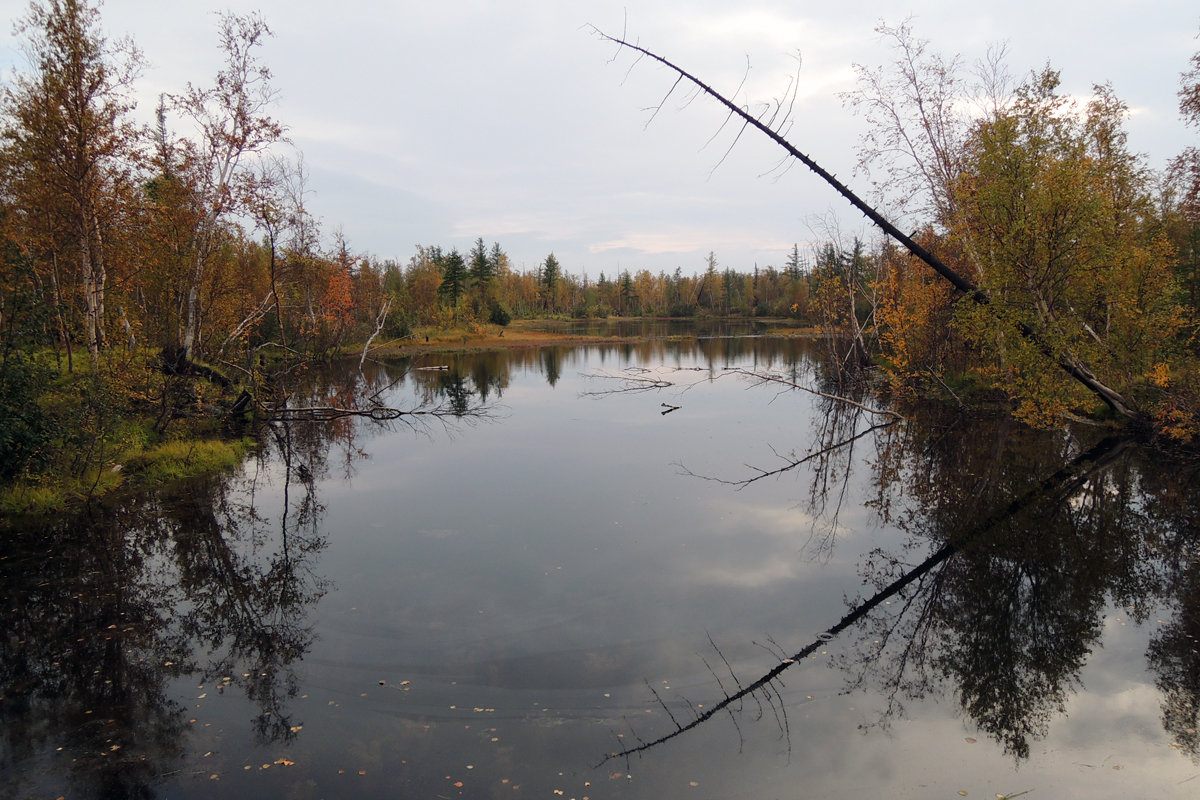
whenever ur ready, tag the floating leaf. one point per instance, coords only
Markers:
(971, 740)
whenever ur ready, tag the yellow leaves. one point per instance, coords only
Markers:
(1160, 375)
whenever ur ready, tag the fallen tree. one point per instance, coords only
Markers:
(1066, 360)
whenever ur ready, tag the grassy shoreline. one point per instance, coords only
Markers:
(521, 333)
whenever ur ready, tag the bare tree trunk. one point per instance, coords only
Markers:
(91, 312)
(100, 273)
(191, 321)
(380, 321)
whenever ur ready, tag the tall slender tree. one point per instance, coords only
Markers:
(233, 125)
(551, 275)
(481, 269)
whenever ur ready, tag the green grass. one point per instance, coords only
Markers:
(21, 500)
(158, 465)
(188, 458)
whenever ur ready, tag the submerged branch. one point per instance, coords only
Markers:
(766, 377)
(790, 462)
(631, 382)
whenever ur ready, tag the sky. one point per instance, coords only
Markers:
(437, 123)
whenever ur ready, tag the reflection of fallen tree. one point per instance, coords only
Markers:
(1058, 487)
(790, 461)
(376, 413)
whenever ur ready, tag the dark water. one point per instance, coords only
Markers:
(489, 601)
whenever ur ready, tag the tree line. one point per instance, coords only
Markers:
(137, 258)
(192, 237)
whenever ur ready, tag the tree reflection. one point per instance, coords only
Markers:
(106, 613)
(1174, 651)
(1029, 539)
(109, 614)
(1009, 621)
(87, 630)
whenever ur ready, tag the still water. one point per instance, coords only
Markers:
(586, 550)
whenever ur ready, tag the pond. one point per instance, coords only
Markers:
(617, 571)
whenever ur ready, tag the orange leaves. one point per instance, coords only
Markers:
(337, 306)
(914, 322)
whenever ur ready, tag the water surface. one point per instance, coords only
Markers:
(586, 550)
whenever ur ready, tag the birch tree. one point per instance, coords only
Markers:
(233, 125)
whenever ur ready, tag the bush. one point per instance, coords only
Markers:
(499, 315)
(24, 429)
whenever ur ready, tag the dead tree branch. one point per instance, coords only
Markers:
(633, 381)
(380, 320)
(790, 462)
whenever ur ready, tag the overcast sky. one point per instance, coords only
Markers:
(436, 123)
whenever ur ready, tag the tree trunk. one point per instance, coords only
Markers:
(91, 312)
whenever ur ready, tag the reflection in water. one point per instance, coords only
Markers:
(1002, 710)
(1029, 541)
(107, 611)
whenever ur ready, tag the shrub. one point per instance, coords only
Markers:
(499, 314)
(24, 429)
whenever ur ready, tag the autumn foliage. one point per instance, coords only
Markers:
(1040, 201)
